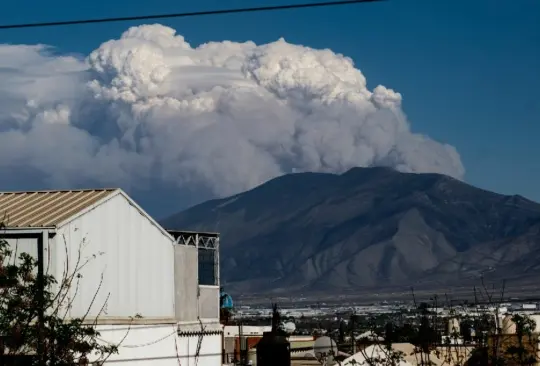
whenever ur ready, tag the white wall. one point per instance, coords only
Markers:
(209, 354)
(160, 345)
(135, 258)
(143, 345)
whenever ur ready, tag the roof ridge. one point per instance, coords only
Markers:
(61, 190)
(48, 208)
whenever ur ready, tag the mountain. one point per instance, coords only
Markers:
(367, 228)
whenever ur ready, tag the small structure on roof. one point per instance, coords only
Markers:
(226, 300)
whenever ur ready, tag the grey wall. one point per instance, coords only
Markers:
(209, 302)
(186, 283)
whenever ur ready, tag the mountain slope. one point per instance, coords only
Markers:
(368, 227)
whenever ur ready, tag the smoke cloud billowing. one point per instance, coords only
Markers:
(148, 110)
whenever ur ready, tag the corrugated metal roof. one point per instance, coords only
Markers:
(46, 208)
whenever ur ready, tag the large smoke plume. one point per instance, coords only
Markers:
(148, 109)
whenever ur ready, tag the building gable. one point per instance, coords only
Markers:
(54, 209)
(130, 201)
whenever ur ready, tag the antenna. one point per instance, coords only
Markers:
(277, 326)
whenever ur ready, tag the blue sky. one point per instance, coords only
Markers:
(468, 70)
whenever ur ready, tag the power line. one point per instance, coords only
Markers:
(185, 15)
(214, 354)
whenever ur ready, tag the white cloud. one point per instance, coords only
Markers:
(223, 116)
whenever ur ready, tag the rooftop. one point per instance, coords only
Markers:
(46, 208)
(191, 232)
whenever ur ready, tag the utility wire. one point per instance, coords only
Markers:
(179, 357)
(185, 15)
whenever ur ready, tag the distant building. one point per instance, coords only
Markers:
(145, 270)
(244, 338)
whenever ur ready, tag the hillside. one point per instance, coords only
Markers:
(367, 228)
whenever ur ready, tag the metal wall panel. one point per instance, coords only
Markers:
(19, 246)
(127, 263)
(30, 246)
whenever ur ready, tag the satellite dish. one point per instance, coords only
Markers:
(289, 327)
(324, 349)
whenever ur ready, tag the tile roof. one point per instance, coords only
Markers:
(46, 208)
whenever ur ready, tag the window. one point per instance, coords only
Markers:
(207, 267)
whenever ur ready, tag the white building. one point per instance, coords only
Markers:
(130, 266)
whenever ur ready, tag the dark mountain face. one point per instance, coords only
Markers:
(369, 227)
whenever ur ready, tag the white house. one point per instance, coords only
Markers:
(130, 266)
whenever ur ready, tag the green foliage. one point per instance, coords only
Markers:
(31, 322)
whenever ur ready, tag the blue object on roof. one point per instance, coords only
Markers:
(226, 300)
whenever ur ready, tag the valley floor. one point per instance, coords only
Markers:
(524, 289)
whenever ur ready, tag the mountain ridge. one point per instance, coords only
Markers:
(368, 227)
